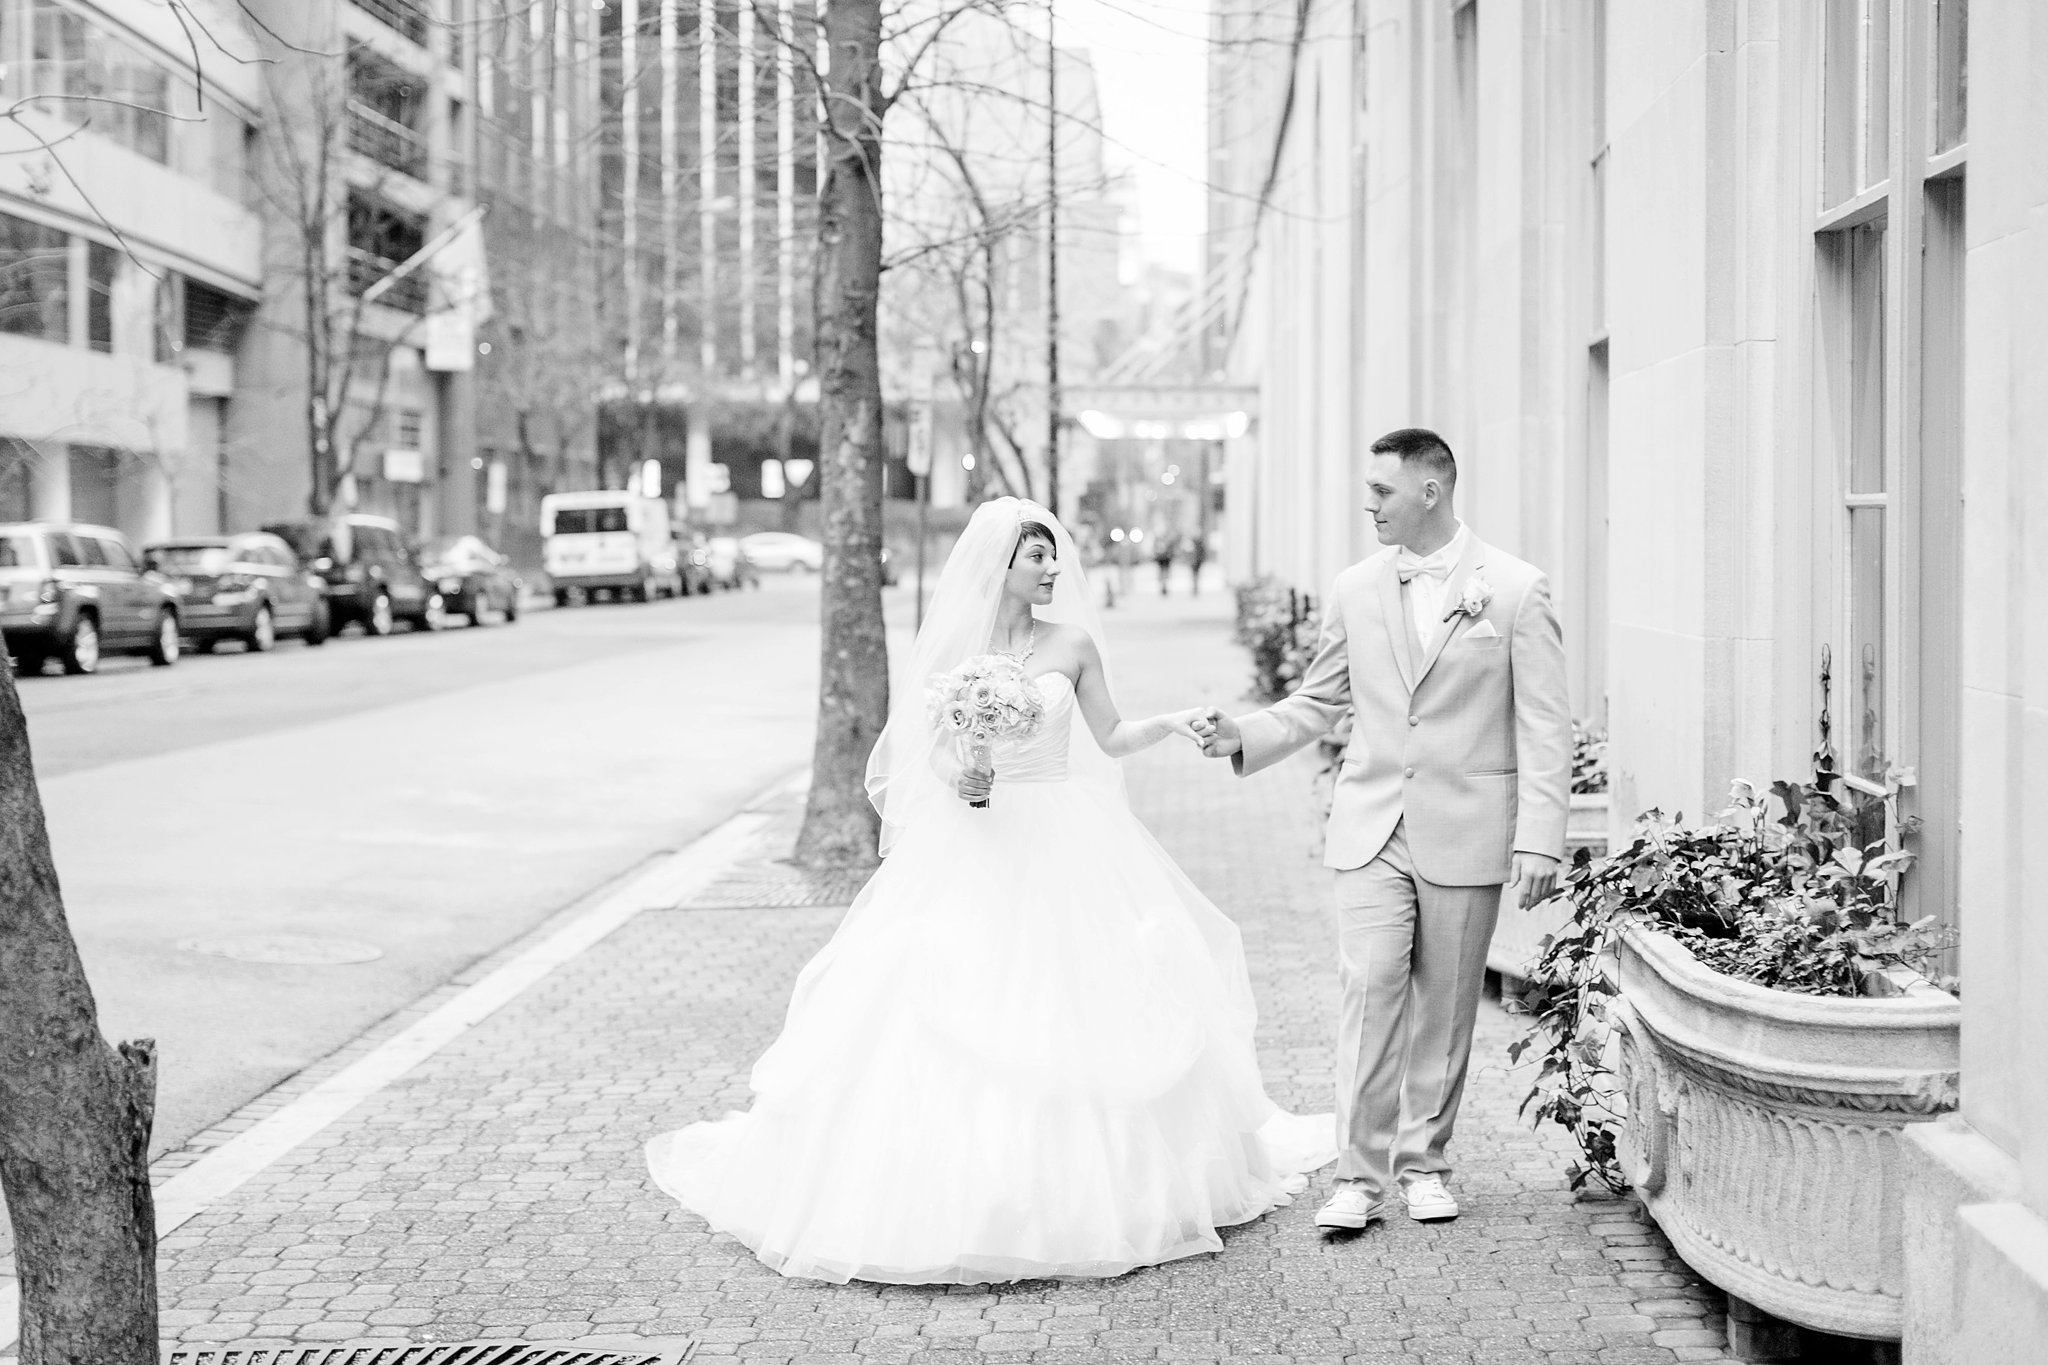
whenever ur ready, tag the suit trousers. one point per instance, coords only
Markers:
(1412, 962)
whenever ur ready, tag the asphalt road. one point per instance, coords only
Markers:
(428, 796)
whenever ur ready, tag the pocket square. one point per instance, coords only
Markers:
(1483, 631)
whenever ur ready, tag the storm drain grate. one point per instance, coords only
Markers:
(777, 886)
(443, 1353)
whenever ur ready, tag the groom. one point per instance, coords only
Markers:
(1454, 783)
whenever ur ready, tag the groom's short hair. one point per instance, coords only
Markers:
(1420, 445)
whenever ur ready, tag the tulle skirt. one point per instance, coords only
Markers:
(1026, 1053)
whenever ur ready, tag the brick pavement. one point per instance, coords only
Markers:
(498, 1191)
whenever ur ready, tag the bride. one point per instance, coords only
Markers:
(1027, 1050)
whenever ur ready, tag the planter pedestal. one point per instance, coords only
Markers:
(1764, 1127)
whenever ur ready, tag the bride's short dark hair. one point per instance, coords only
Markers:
(1034, 530)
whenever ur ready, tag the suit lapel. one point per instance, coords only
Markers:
(1454, 587)
(1400, 624)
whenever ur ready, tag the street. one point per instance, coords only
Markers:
(425, 798)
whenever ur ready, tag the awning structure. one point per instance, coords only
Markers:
(1161, 412)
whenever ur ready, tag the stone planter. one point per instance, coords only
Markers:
(1518, 934)
(1764, 1130)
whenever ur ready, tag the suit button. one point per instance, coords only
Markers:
(1408, 772)
(1415, 720)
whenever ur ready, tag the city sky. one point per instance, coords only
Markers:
(1149, 62)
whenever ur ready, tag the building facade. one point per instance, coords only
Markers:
(131, 259)
(1722, 306)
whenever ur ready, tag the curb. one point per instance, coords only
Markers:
(196, 1187)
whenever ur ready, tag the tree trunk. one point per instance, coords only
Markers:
(840, 827)
(74, 1113)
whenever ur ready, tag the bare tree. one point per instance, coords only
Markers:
(346, 340)
(75, 1113)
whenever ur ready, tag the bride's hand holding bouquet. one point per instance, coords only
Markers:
(985, 699)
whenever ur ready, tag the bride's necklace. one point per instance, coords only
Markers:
(1030, 645)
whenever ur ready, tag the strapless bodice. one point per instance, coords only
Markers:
(1042, 755)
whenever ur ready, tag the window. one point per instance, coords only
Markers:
(95, 79)
(583, 521)
(102, 266)
(214, 319)
(35, 280)
(1888, 329)
(117, 555)
(18, 552)
(91, 551)
(64, 551)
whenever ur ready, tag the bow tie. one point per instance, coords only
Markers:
(1409, 565)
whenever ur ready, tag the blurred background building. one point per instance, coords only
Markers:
(131, 262)
(1690, 289)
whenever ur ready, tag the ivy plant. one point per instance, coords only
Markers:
(1796, 890)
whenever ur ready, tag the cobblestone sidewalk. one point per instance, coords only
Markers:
(497, 1190)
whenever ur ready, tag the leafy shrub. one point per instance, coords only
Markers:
(1279, 626)
(1589, 760)
(1804, 900)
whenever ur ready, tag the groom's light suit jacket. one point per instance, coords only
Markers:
(1469, 741)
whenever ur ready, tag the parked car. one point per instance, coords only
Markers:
(609, 541)
(784, 552)
(728, 563)
(368, 572)
(78, 593)
(247, 587)
(472, 578)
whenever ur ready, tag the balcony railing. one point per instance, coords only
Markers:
(386, 141)
(408, 17)
(408, 295)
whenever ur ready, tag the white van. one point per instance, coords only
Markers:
(609, 540)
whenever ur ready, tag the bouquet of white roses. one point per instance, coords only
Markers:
(987, 698)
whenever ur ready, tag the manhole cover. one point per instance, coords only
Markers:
(445, 1353)
(293, 950)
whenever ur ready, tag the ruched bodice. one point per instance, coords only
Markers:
(1042, 755)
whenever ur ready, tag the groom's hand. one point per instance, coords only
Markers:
(1535, 876)
(1218, 734)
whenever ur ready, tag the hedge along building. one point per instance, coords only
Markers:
(130, 260)
(1690, 288)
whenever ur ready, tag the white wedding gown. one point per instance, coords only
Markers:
(1027, 1052)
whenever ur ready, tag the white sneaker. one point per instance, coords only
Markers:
(1351, 1207)
(1428, 1200)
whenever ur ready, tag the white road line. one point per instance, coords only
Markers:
(224, 1169)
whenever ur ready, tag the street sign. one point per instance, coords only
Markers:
(919, 454)
(494, 488)
(404, 466)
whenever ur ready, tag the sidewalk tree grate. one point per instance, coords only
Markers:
(776, 886)
(442, 1353)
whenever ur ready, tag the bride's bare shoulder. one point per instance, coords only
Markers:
(1066, 638)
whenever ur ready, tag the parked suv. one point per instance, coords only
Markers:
(77, 593)
(370, 574)
(246, 587)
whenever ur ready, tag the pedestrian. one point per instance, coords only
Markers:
(1162, 555)
(1447, 655)
(1198, 554)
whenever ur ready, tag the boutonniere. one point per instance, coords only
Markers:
(1472, 599)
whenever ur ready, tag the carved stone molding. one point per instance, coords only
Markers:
(1764, 1127)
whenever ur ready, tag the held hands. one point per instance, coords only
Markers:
(1535, 876)
(1216, 733)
